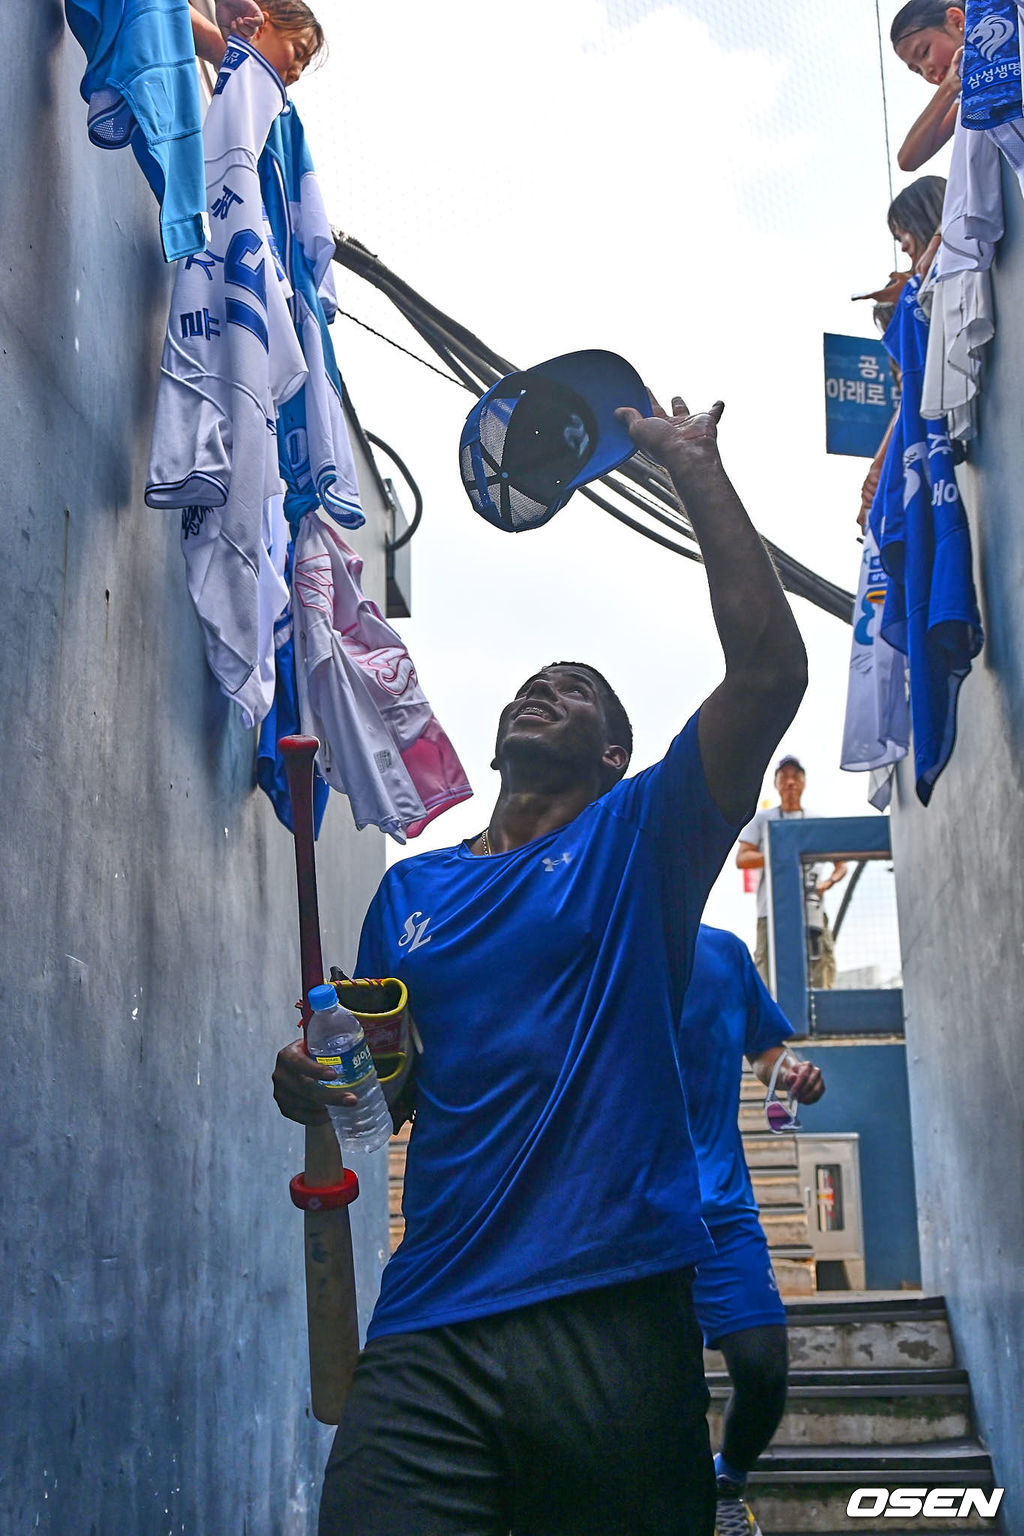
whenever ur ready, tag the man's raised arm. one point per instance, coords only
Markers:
(742, 722)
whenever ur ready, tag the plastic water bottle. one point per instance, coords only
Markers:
(335, 1039)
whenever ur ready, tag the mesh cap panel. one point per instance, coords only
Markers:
(532, 441)
(539, 434)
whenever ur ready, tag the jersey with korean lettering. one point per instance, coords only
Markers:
(314, 451)
(230, 359)
(728, 1014)
(231, 349)
(550, 1151)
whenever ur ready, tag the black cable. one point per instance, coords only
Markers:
(478, 367)
(885, 121)
(847, 897)
(399, 348)
(676, 523)
(648, 533)
(392, 544)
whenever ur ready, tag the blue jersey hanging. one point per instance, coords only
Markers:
(142, 89)
(918, 523)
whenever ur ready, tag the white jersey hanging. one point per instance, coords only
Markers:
(876, 732)
(230, 360)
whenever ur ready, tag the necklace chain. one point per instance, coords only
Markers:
(485, 841)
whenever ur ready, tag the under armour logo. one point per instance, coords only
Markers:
(414, 932)
(552, 864)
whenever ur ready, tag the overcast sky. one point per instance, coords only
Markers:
(697, 184)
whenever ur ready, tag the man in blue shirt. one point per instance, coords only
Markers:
(729, 1014)
(533, 1364)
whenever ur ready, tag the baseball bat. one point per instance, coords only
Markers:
(330, 1277)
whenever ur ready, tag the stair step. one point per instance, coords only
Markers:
(864, 1336)
(752, 1089)
(794, 1273)
(752, 1115)
(808, 1512)
(890, 1305)
(781, 1188)
(945, 1462)
(816, 1500)
(764, 1151)
(885, 1333)
(873, 1408)
(785, 1226)
(868, 1383)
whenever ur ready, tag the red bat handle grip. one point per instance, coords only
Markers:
(298, 753)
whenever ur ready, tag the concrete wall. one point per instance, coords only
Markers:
(960, 890)
(153, 1367)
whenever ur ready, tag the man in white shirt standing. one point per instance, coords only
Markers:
(790, 781)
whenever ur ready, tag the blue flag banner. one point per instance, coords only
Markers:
(860, 395)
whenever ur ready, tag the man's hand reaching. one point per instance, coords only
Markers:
(243, 17)
(765, 663)
(676, 441)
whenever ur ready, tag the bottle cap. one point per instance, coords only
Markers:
(322, 998)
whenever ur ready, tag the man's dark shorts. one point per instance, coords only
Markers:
(579, 1416)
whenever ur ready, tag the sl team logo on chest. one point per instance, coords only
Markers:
(414, 934)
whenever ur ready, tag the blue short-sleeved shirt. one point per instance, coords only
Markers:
(728, 1014)
(550, 1151)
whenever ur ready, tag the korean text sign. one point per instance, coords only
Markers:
(860, 395)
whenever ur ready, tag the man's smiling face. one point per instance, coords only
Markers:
(557, 719)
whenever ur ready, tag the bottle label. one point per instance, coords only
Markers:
(348, 1069)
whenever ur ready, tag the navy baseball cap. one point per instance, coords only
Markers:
(539, 434)
(789, 761)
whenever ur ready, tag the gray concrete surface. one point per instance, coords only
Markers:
(960, 891)
(153, 1366)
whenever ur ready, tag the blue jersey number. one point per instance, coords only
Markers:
(862, 631)
(245, 243)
